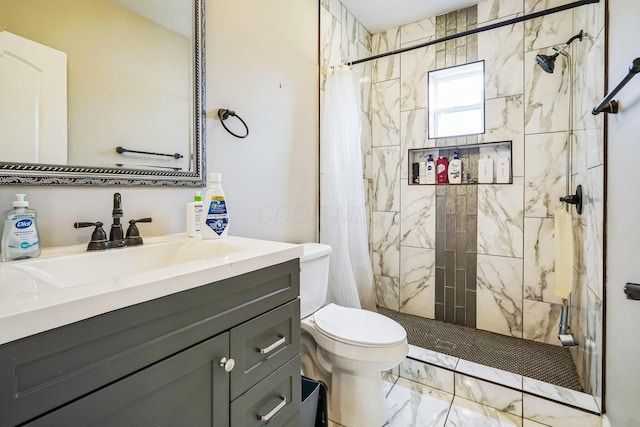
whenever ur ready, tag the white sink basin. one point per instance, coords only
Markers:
(69, 284)
(88, 267)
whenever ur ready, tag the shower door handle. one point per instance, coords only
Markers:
(632, 290)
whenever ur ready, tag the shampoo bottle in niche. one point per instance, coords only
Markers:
(503, 170)
(194, 216)
(215, 217)
(485, 171)
(20, 236)
(455, 169)
(422, 172)
(431, 171)
(441, 170)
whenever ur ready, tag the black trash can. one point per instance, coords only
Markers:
(313, 410)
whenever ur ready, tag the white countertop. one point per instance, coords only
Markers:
(29, 304)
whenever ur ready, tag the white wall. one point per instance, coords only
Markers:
(272, 171)
(623, 228)
(265, 67)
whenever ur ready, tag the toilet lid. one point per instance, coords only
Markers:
(355, 326)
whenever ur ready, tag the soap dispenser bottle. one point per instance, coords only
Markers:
(431, 170)
(455, 169)
(20, 236)
(215, 217)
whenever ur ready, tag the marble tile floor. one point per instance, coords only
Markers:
(414, 404)
(433, 389)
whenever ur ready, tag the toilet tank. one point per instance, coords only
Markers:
(314, 277)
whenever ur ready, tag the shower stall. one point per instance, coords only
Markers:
(469, 269)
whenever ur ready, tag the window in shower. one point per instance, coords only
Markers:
(456, 101)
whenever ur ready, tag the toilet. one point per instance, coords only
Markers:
(350, 347)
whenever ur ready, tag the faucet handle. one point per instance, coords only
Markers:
(133, 234)
(98, 237)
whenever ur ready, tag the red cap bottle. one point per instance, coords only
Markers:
(442, 165)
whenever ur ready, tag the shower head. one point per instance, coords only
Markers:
(547, 62)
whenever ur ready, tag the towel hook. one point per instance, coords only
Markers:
(224, 114)
(574, 199)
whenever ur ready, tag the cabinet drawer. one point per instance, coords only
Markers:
(276, 398)
(187, 389)
(262, 344)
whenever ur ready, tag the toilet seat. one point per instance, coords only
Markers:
(358, 327)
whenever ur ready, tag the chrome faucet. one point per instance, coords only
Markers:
(117, 238)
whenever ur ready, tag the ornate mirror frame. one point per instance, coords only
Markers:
(61, 175)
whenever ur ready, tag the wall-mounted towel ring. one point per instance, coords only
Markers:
(224, 114)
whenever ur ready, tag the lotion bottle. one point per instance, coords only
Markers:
(455, 169)
(194, 216)
(431, 171)
(20, 236)
(215, 217)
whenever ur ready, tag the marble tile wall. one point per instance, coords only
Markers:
(588, 170)
(514, 223)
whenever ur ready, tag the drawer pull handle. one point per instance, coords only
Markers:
(273, 346)
(227, 364)
(274, 410)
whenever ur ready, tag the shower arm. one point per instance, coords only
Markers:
(611, 106)
(560, 49)
(577, 36)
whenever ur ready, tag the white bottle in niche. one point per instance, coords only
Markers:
(455, 169)
(431, 171)
(485, 171)
(503, 170)
(422, 172)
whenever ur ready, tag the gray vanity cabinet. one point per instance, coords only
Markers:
(162, 362)
(188, 389)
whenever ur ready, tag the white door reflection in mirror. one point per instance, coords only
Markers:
(456, 101)
(33, 106)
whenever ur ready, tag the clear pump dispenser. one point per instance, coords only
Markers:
(20, 237)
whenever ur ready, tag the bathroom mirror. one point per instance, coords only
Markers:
(456, 101)
(132, 110)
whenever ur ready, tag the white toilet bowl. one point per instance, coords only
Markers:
(355, 346)
(347, 348)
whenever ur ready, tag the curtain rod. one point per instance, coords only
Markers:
(479, 30)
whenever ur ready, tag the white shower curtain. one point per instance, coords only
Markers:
(343, 224)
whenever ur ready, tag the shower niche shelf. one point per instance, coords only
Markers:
(469, 154)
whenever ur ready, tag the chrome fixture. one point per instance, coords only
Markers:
(565, 337)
